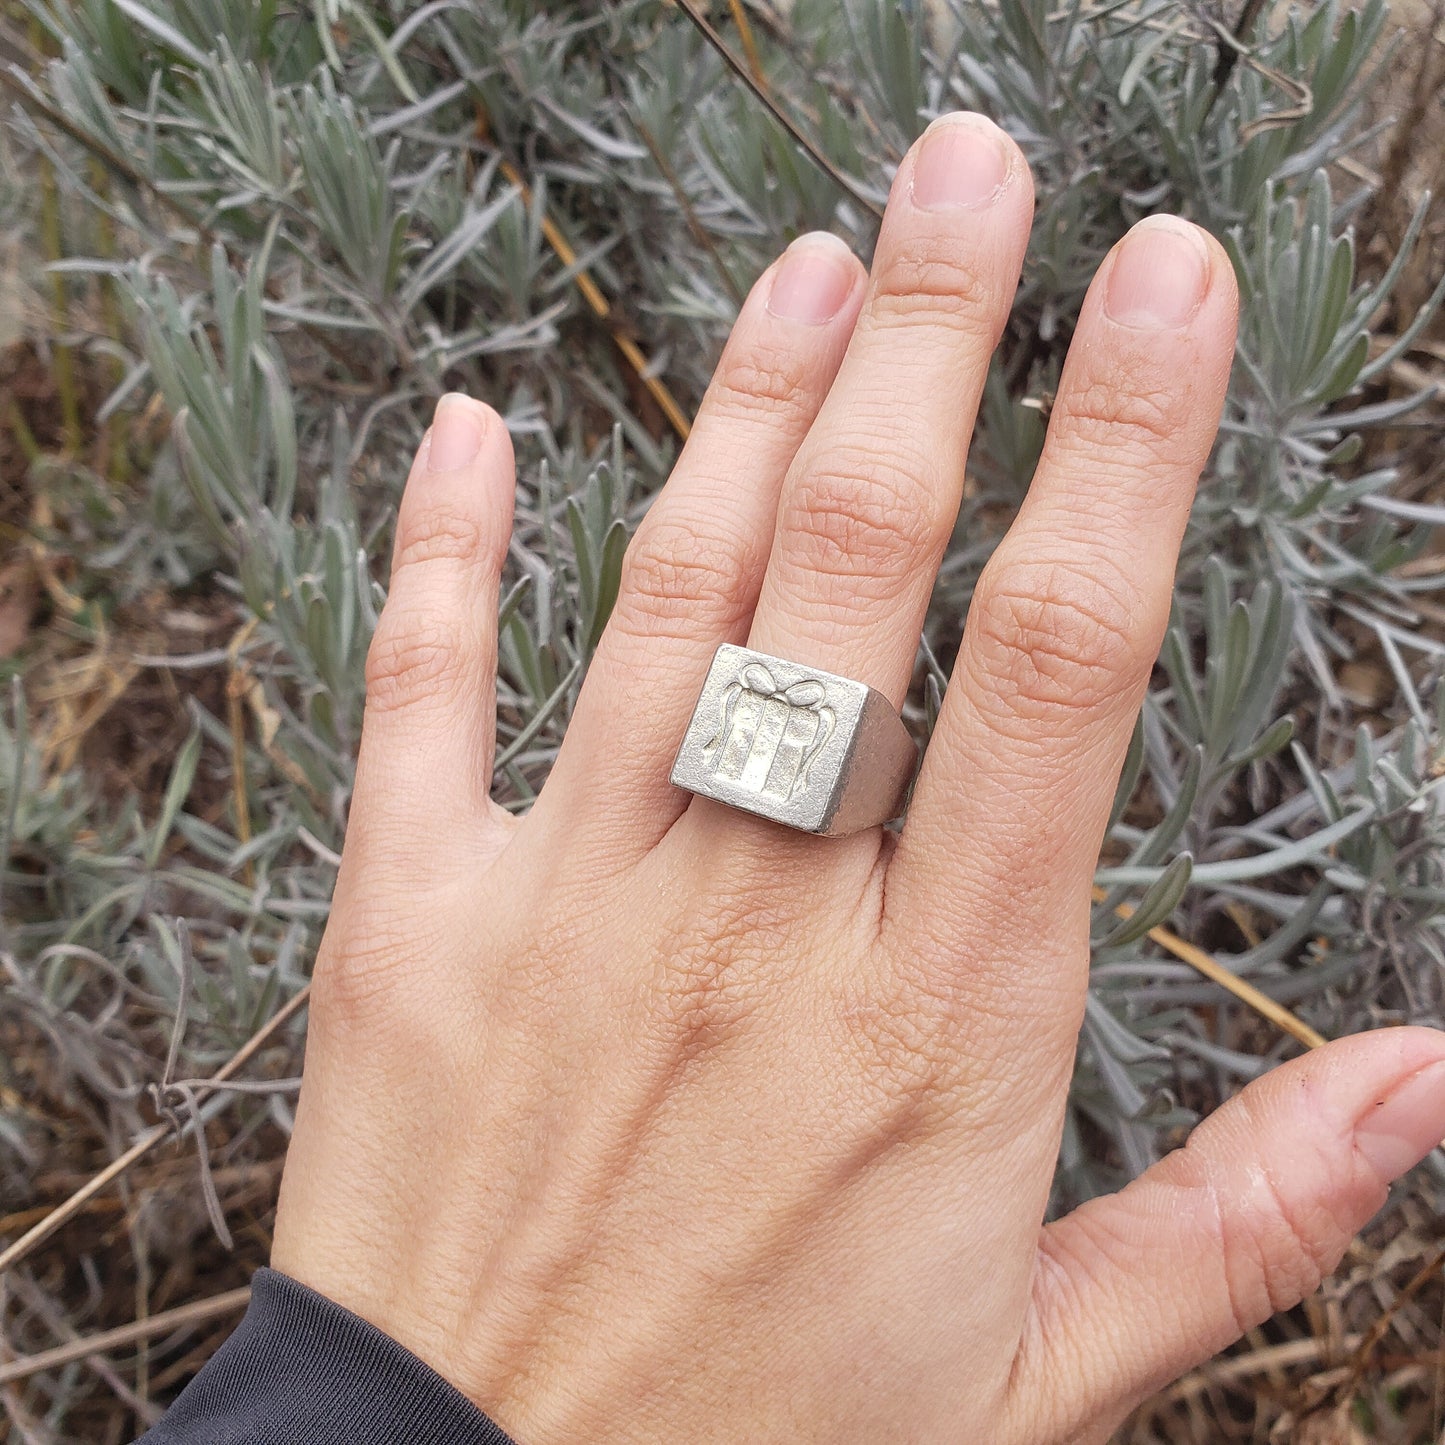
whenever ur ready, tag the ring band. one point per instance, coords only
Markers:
(815, 751)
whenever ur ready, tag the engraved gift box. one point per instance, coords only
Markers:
(790, 742)
(768, 736)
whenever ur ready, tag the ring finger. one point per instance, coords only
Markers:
(692, 573)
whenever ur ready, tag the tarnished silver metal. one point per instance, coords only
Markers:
(807, 748)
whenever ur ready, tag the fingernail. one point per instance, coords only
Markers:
(965, 160)
(1399, 1130)
(456, 433)
(813, 280)
(1159, 276)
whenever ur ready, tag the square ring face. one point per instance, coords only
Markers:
(771, 737)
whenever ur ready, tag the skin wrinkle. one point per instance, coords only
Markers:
(703, 994)
(1076, 1263)
(1259, 1233)
(774, 875)
(1146, 419)
(355, 986)
(887, 474)
(939, 288)
(900, 1043)
(1290, 1256)
(853, 520)
(409, 669)
(779, 393)
(676, 572)
(1205, 1186)
(1056, 1310)
(779, 382)
(438, 534)
(1243, 1287)
(1298, 1262)
(1047, 641)
(714, 974)
(1042, 747)
(953, 275)
(1045, 1046)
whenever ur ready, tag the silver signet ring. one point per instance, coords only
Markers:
(806, 748)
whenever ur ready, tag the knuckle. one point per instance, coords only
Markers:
(704, 1000)
(1105, 415)
(904, 1040)
(861, 515)
(348, 989)
(358, 979)
(411, 660)
(439, 534)
(1274, 1254)
(705, 986)
(773, 382)
(1271, 1238)
(1051, 635)
(1282, 1242)
(935, 281)
(676, 571)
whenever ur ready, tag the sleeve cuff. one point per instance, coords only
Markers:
(301, 1370)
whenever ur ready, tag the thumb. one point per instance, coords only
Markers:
(1247, 1219)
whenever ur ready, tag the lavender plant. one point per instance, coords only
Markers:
(317, 219)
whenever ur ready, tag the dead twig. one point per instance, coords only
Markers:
(197, 1312)
(1305, 1351)
(27, 1242)
(809, 146)
(601, 308)
(238, 682)
(745, 35)
(1381, 1327)
(1216, 972)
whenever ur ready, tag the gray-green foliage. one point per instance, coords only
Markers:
(319, 237)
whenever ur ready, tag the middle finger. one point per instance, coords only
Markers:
(872, 496)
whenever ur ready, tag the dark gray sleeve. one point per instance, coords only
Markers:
(300, 1370)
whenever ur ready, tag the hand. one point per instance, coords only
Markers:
(643, 1119)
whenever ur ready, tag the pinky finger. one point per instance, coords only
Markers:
(425, 767)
